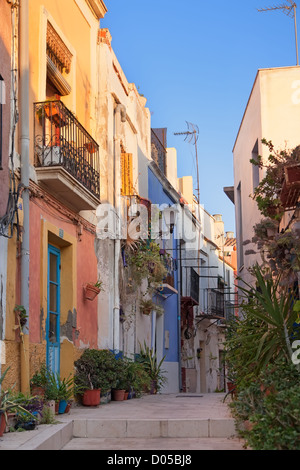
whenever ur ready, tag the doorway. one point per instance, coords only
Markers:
(53, 310)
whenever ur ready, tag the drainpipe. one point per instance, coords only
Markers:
(24, 147)
(179, 288)
(120, 116)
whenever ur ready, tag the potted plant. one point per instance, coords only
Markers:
(39, 381)
(145, 263)
(91, 147)
(265, 229)
(92, 290)
(272, 193)
(153, 367)
(95, 372)
(61, 390)
(147, 305)
(9, 404)
(21, 316)
(121, 384)
(137, 379)
(32, 404)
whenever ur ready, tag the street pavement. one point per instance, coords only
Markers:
(153, 422)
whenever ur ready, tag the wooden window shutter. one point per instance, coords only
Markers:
(126, 174)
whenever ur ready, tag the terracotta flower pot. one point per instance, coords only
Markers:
(91, 397)
(2, 424)
(91, 147)
(68, 408)
(91, 292)
(37, 391)
(118, 395)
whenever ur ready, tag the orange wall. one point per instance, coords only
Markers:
(76, 29)
(86, 329)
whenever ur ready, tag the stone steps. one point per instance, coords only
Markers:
(153, 428)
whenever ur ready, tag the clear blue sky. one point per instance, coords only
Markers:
(196, 61)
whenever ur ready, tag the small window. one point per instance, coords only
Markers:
(255, 168)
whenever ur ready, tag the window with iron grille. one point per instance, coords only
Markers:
(194, 285)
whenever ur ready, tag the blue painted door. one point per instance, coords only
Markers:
(53, 313)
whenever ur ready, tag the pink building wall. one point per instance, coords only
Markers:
(5, 67)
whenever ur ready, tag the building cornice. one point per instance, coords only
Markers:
(98, 8)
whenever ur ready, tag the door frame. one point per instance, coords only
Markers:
(56, 369)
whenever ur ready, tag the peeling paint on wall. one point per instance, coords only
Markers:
(69, 328)
(42, 329)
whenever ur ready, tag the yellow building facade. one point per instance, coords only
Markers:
(57, 64)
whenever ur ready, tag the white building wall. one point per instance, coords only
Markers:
(273, 113)
(123, 121)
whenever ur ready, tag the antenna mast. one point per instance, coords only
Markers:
(192, 135)
(289, 10)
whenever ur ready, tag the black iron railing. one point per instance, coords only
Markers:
(215, 299)
(60, 140)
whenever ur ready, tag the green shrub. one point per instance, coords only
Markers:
(97, 369)
(272, 405)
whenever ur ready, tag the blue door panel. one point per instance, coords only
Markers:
(53, 310)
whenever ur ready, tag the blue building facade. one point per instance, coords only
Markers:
(166, 328)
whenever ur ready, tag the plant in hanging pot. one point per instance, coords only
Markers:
(145, 263)
(147, 306)
(92, 290)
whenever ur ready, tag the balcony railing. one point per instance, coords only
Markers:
(190, 287)
(60, 140)
(215, 302)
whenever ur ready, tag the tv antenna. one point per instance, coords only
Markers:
(289, 10)
(191, 135)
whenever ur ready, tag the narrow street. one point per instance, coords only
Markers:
(154, 422)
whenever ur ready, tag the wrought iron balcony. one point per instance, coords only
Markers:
(66, 156)
(190, 284)
(215, 299)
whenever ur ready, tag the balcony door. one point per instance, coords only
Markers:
(53, 313)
